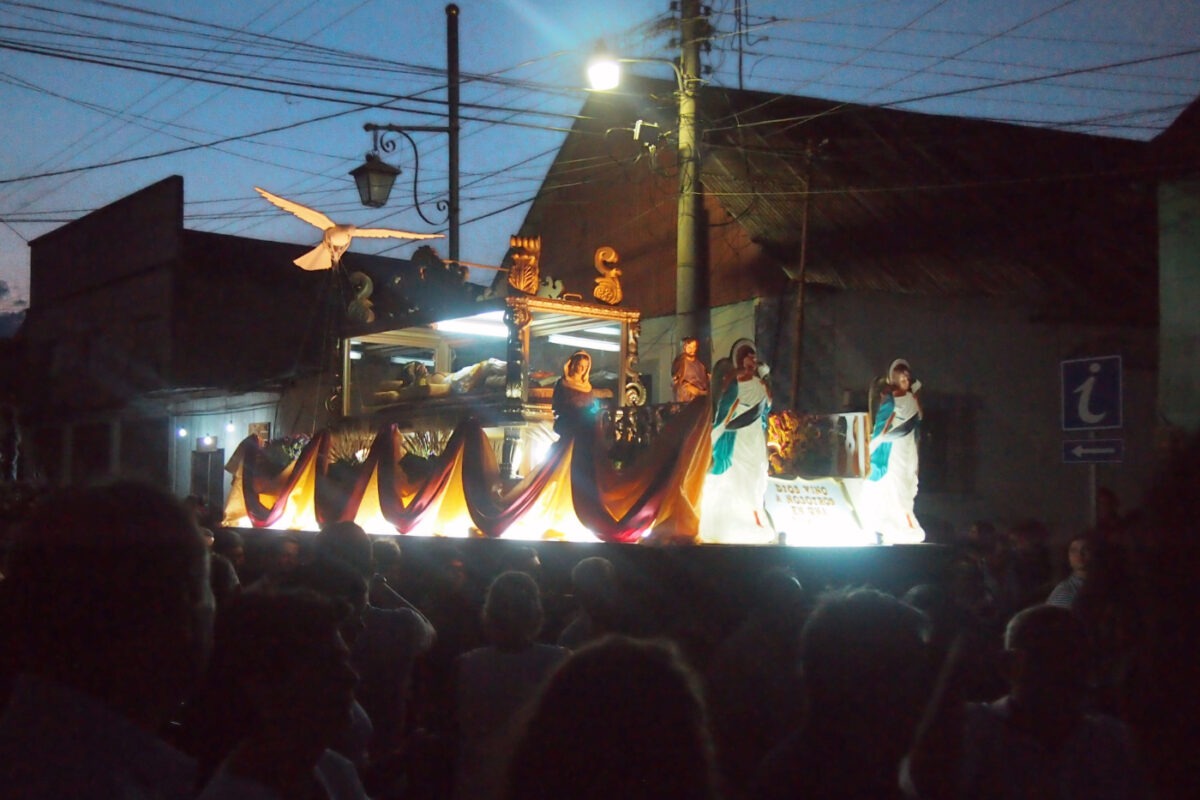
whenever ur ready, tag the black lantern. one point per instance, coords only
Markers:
(374, 179)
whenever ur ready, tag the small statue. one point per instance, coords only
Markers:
(524, 252)
(689, 377)
(550, 287)
(608, 288)
(361, 309)
(574, 400)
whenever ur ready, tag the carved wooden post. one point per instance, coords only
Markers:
(634, 393)
(517, 317)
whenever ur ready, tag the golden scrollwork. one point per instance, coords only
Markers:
(608, 287)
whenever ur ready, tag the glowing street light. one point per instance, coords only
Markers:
(604, 70)
(604, 73)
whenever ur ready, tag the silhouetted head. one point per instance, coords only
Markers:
(595, 584)
(339, 583)
(109, 587)
(1080, 550)
(1046, 651)
(512, 612)
(779, 600)
(278, 663)
(229, 543)
(388, 556)
(348, 543)
(620, 718)
(285, 554)
(523, 558)
(982, 537)
(864, 663)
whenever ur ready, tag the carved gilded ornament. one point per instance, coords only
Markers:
(523, 273)
(608, 287)
(519, 316)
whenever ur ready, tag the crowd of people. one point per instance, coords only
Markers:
(145, 652)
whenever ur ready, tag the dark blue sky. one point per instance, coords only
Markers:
(196, 89)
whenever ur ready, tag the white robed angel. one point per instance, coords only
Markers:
(891, 486)
(732, 509)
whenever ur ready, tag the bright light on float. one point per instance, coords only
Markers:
(489, 323)
(585, 342)
(819, 512)
(229, 427)
(181, 433)
(538, 450)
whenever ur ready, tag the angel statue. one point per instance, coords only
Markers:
(891, 485)
(337, 238)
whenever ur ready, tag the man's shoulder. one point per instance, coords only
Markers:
(56, 741)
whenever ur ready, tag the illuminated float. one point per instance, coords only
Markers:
(447, 430)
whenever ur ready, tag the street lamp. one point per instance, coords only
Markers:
(374, 180)
(375, 177)
(604, 72)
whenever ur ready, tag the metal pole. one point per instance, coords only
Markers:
(798, 345)
(452, 100)
(687, 287)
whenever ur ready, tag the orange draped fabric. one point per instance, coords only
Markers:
(655, 498)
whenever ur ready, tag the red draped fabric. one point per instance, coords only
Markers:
(660, 491)
(394, 485)
(622, 505)
(260, 480)
(492, 513)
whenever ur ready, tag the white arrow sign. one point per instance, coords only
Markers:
(1090, 451)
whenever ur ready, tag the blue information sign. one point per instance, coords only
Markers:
(1091, 393)
(1092, 451)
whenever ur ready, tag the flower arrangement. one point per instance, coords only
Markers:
(351, 446)
(426, 443)
(790, 436)
(286, 449)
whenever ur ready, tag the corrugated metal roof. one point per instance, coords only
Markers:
(904, 202)
(888, 200)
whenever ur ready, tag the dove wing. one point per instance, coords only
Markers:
(309, 215)
(388, 233)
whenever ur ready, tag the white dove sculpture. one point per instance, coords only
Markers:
(337, 237)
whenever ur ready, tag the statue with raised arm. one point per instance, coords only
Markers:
(732, 507)
(891, 485)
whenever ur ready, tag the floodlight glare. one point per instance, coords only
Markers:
(603, 70)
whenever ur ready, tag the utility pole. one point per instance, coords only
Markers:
(692, 30)
(453, 77)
